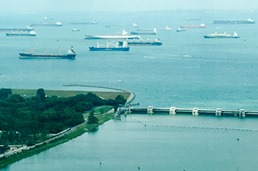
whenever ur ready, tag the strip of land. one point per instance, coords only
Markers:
(102, 113)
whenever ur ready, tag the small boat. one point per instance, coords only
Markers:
(30, 55)
(135, 25)
(75, 29)
(144, 32)
(180, 29)
(167, 28)
(222, 35)
(123, 36)
(248, 21)
(148, 42)
(22, 33)
(109, 47)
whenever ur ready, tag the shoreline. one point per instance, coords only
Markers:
(66, 136)
(103, 116)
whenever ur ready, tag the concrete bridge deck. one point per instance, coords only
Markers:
(193, 111)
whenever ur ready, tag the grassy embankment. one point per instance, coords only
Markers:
(99, 112)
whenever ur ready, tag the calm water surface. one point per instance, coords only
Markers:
(187, 71)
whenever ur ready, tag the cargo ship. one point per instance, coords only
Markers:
(194, 26)
(155, 42)
(248, 21)
(84, 23)
(123, 36)
(30, 55)
(22, 33)
(222, 35)
(145, 32)
(27, 29)
(58, 24)
(109, 47)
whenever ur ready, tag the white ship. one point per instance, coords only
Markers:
(22, 33)
(222, 35)
(123, 36)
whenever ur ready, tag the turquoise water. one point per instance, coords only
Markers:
(187, 71)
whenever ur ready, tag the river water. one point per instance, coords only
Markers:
(186, 71)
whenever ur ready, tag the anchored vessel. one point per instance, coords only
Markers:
(27, 29)
(222, 35)
(109, 47)
(144, 32)
(58, 23)
(248, 21)
(84, 23)
(75, 29)
(155, 42)
(22, 33)
(180, 29)
(123, 36)
(69, 55)
(194, 26)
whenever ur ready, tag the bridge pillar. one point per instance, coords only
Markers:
(195, 112)
(150, 110)
(242, 113)
(129, 109)
(218, 112)
(172, 110)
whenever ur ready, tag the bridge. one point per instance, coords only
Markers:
(192, 111)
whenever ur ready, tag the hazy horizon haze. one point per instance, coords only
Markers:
(30, 6)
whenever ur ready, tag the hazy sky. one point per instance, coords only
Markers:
(122, 5)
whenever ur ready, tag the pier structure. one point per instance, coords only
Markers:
(242, 113)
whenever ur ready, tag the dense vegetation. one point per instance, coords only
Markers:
(30, 120)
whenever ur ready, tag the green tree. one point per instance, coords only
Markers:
(92, 119)
(16, 98)
(5, 92)
(120, 99)
(41, 95)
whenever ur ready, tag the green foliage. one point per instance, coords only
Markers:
(4, 148)
(120, 99)
(29, 120)
(92, 119)
(41, 95)
(16, 98)
(5, 92)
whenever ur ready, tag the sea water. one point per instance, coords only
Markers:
(186, 71)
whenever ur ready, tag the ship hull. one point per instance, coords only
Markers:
(16, 29)
(109, 48)
(111, 37)
(142, 43)
(233, 22)
(47, 24)
(143, 33)
(19, 34)
(221, 37)
(46, 56)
